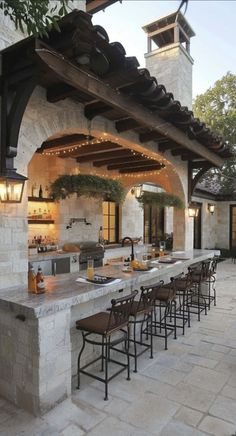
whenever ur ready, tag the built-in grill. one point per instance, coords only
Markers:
(88, 250)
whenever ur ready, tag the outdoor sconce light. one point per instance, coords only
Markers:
(137, 191)
(193, 210)
(11, 186)
(211, 208)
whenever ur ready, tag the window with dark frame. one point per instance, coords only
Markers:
(110, 213)
(232, 226)
(153, 224)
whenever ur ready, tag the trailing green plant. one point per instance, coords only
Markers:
(160, 199)
(88, 186)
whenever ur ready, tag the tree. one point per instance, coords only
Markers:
(217, 108)
(35, 16)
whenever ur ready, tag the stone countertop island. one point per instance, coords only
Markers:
(39, 343)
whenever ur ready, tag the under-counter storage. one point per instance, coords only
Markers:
(54, 266)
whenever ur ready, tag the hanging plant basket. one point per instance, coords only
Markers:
(88, 186)
(160, 199)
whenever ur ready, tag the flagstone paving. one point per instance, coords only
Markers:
(190, 389)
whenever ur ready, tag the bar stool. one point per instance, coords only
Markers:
(183, 286)
(107, 329)
(196, 298)
(165, 303)
(141, 313)
(210, 280)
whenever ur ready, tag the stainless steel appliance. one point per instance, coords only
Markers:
(86, 250)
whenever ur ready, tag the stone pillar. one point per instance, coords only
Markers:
(35, 360)
(183, 230)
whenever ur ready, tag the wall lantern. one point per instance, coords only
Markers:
(11, 186)
(137, 191)
(211, 208)
(193, 210)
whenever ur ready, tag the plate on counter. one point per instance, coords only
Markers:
(100, 280)
(148, 268)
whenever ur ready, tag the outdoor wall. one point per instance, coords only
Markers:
(43, 120)
(223, 224)
(131, 218)
(172, 66)
(209, 224)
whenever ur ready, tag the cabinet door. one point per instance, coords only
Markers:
(61, 266)
(46, 266)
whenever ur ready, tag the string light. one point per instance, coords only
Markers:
(70, 149)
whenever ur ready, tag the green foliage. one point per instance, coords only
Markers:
(88, 186)
(35, 16)
(217, 108)
(160, 199)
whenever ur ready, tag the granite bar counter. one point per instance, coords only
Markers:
(39, 342)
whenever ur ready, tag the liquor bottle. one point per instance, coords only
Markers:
(40, 192)
(32, 280)
(40, 284)
(33, 190)
(100, 235)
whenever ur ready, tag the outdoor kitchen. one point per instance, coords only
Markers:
(96, 164)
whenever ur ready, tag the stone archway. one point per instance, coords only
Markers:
(41, 121)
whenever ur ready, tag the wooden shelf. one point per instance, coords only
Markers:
(41, 200)
(30, 221)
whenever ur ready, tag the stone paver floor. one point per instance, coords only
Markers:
(188, 390)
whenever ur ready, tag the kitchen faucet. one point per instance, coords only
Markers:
(132, 245)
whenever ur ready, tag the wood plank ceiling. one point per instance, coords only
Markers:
(100, 152)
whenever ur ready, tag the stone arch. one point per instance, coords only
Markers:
(68, 117)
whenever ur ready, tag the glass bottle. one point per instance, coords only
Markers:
(40, 192)
(40, 284)
(32, 287)
(90, 269)
(33, 190)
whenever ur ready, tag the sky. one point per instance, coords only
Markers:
(213, 48)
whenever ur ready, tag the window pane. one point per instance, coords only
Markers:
(112, 236)
(112, 208)
(105, 207)
(112, 221)
(105, 234)
(105, 222)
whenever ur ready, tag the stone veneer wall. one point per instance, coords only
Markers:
(209, 224)
(172, 66)
(223, 223)
(41, 121)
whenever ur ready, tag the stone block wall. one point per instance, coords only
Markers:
(172, 66)
(35, 360)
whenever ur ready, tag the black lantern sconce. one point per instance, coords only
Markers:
(137, 191)
(193, 210)
(11, 186)
(211, 208)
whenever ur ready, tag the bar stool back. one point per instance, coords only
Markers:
(141, 313)
(107, 329)
(165, 304)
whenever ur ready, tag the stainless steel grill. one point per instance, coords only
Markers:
(90, 250)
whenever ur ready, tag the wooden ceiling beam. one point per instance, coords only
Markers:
(95, 87)
(127, 124)
(178, 151)
(152, 136)
(199, 164)
(168, 146)
(59, 92)
(140, 169)
(129, 158)
(102, 156)
(136, 164)
(67, 140)
(98, 108)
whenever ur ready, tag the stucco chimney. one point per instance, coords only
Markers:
(170, 62)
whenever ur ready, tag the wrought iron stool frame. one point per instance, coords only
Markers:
(182, 284)
(164, 298)
(116, 320)
(196, 299)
